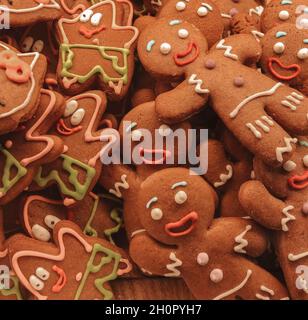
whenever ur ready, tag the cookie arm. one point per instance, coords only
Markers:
(181, 102)
(153, 258)
(263, 207)
(238, 235)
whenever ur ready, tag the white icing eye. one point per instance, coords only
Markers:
(96, 19)
(51, 221)
(183, 33)
(70, 108)
(180, 197)
(156, 214)
(42, 273)
(40, 233)
(302, 53)
(164, 130)
(136, 135)
(278, 47)
(38, 46)
(305, 160)
(36, 283)
(284, 15)
(202, 11)
(180, 6)
(289, 165)
(86, 15)
(165, 48)
(27, 44)
(77, 117)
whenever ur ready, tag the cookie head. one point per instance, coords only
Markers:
(143, 124)
(291, 177)
(285, 53)
(168, 46)
(172, 207)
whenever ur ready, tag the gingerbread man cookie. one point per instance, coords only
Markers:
(257, 110)
(75, 267)
(177, 209)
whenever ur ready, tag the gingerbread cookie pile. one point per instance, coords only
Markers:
(75, 72)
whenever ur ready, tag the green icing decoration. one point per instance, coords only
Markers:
(68, 162)
(14, 290)
(303, 143)
(67, 55)
(114, 214)
(89, 230)
(10, 162)
(91, 268)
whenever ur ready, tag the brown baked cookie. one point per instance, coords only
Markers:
(285, 58)
(26, 12)
(277, 12)
(278, 201)
(96, 215)
(29, 147)
(75, 267)
(96, 48)
(250, 104)
(177, 209)
(22, 75)
(78, 168)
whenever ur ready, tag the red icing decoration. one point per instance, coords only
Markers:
(63, 129)
(178, 56)
(299, 182)
(88, 33)
(296, 67)
(191, 218)
(61, 281)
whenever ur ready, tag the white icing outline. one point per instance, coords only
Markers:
(53, 5)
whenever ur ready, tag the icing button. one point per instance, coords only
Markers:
(305, 208)
(210, 64)
(202, 258)
(216, 275)
(233, 12)
(238, 81)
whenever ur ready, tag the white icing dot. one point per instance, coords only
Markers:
(96, 19)
(164, 130)
(180, 6)
(183, 33)
(70, 107)
(302, 53)
(51, 221)
(86, 15)
(180, 197)
(279, 47)
(165, 48)
(305, 160)
(202, 258)
(27, 44)
(289, 165)
(216, 275)
(36, 283)
(136, 135)
(202, 11)
(40, 233)
(42, 273)
(77, 117)
(284, 15)
(38, 46)
(156, 213)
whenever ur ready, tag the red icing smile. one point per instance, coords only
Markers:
(152, 153)
(61, 281)
(294, 68)
(191, 53)
(183, 226)
(63, 129)
(88, 33)
(299, 182)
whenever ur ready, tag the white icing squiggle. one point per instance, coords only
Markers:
(116, 191)
(295, 257)
(224, 177)
(228, 50)
(286, 148)
(242, 243)
(289, 217)
(173, 266)
(198, 82)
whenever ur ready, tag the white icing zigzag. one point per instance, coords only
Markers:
(198, 82)
(257, 10)
(224, 177)
(286, 148)
(289, 217)
(242, 243)
(228, 50)
(173, 266)
(119, 185)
